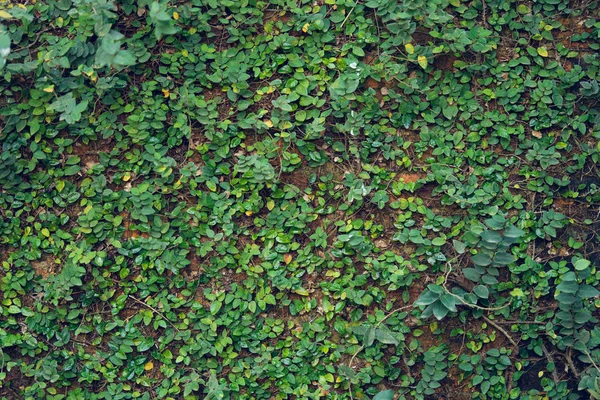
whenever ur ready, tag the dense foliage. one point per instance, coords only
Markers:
(299, 199)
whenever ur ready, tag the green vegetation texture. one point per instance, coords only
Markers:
(299, 199)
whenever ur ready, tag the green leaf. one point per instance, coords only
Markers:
(385, 336)
(504, 258)
(481, 291)
(146, 344)
(471, 274)
(513, 232)
(282, 103)
(587, 291)
(4, 48)
(439, 310)
(124, 58)
(384, 395)
(438, 241)
(449, 302)
(436, 288)
(481, 259)
(346, 372)
(369, 337)
(163, 22)
(582, 264)
(496, 222)
(426, 298)
(459, 246)
(215, 306)
(491, 236)
(568, 287)
(450, 111)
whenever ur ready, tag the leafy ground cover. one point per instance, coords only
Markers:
(299, 199)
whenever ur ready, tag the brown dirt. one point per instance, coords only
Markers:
(411, 177)
(276, 15)
(45, 266)
(299, 178)
(444, 62)
(130, 231)
(421, 36)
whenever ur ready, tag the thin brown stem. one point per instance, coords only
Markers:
(153, 309)
(551, 360)
(495, 325)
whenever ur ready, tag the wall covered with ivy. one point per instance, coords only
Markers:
(299, 199)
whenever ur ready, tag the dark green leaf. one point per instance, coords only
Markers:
(384, 395)
(503, 258)
(481, 259)
(481, 291)
(587, 291)
(369, 337)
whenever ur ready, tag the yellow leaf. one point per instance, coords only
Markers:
(45, 232)
(540, 374)
(270, 205)
(268, 123)
(410, 49)
(166, 92)
(287, 258)
(149, 365)
(301, 292)
(185, 53)
(126, 177)
(542, 51)
(422, 60)
(249, 212)
(175, 15)
(49, 89)
(305, 27)
(433, 326)
(5, 14)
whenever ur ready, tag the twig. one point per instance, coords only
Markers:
(483, 12)
(469, 304)
(35, 40)
(509, 381)
(520, 323)
(570, 363)
(551, 360)
(155, 310)
(591, 360)
(406, 365)
(495, 325)
(346, 19)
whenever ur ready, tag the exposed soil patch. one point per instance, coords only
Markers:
(45, 266)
